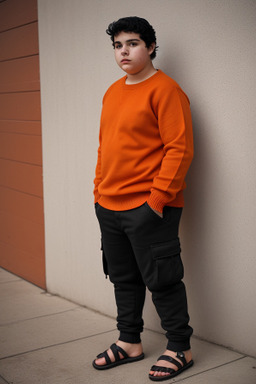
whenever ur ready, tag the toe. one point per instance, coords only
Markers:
(100, 361)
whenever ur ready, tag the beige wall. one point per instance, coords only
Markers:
(209, 48)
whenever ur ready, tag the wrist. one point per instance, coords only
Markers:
(156, 202)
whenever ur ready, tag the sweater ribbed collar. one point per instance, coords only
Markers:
(142, 83)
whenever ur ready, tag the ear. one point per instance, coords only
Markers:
(151, 48)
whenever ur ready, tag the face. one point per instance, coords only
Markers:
(131, 53)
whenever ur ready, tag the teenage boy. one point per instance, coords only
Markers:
(146, 147)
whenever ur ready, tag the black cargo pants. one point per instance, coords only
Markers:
(141, 249)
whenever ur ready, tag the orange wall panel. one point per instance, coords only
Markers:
(19, 42)
(17, 12)
(23, 148)
(20, 75)
(22, 205)
(16, 126)
(20, 106)
(27, 265)
(22, 177)
(21, 182)
(21, 233)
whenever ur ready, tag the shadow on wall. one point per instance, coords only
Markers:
(194, 218)
(198, 229)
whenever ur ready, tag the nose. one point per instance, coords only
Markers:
(125, 50)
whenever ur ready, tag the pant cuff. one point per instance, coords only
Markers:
(178, 346)
(133, 338)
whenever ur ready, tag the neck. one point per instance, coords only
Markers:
(140, 76)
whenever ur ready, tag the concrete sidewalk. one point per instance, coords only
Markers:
(45, 339)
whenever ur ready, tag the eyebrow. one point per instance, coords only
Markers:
(127, 41)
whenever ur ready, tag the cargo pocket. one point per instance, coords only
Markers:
(104, 261)
(168, 264)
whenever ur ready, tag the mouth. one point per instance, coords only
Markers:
(125, 61)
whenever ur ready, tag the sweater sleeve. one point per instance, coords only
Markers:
(175, 127)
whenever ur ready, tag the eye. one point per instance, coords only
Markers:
(133, 44)
(118, 46)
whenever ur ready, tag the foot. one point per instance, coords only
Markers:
(133, 350)
(163, 363)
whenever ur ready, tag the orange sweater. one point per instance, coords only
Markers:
(146, 145)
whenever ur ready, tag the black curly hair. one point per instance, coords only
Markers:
(137, 25)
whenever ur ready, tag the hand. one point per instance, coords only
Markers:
(157, 212)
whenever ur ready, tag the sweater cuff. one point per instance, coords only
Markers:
(158, 200)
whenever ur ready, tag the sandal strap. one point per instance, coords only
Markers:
(115, 350)
(106, 356)
(171, 360)
(182, 358)
(115, 347)
(157, 368)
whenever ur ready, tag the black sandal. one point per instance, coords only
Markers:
(118, 361)
(171, 371)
